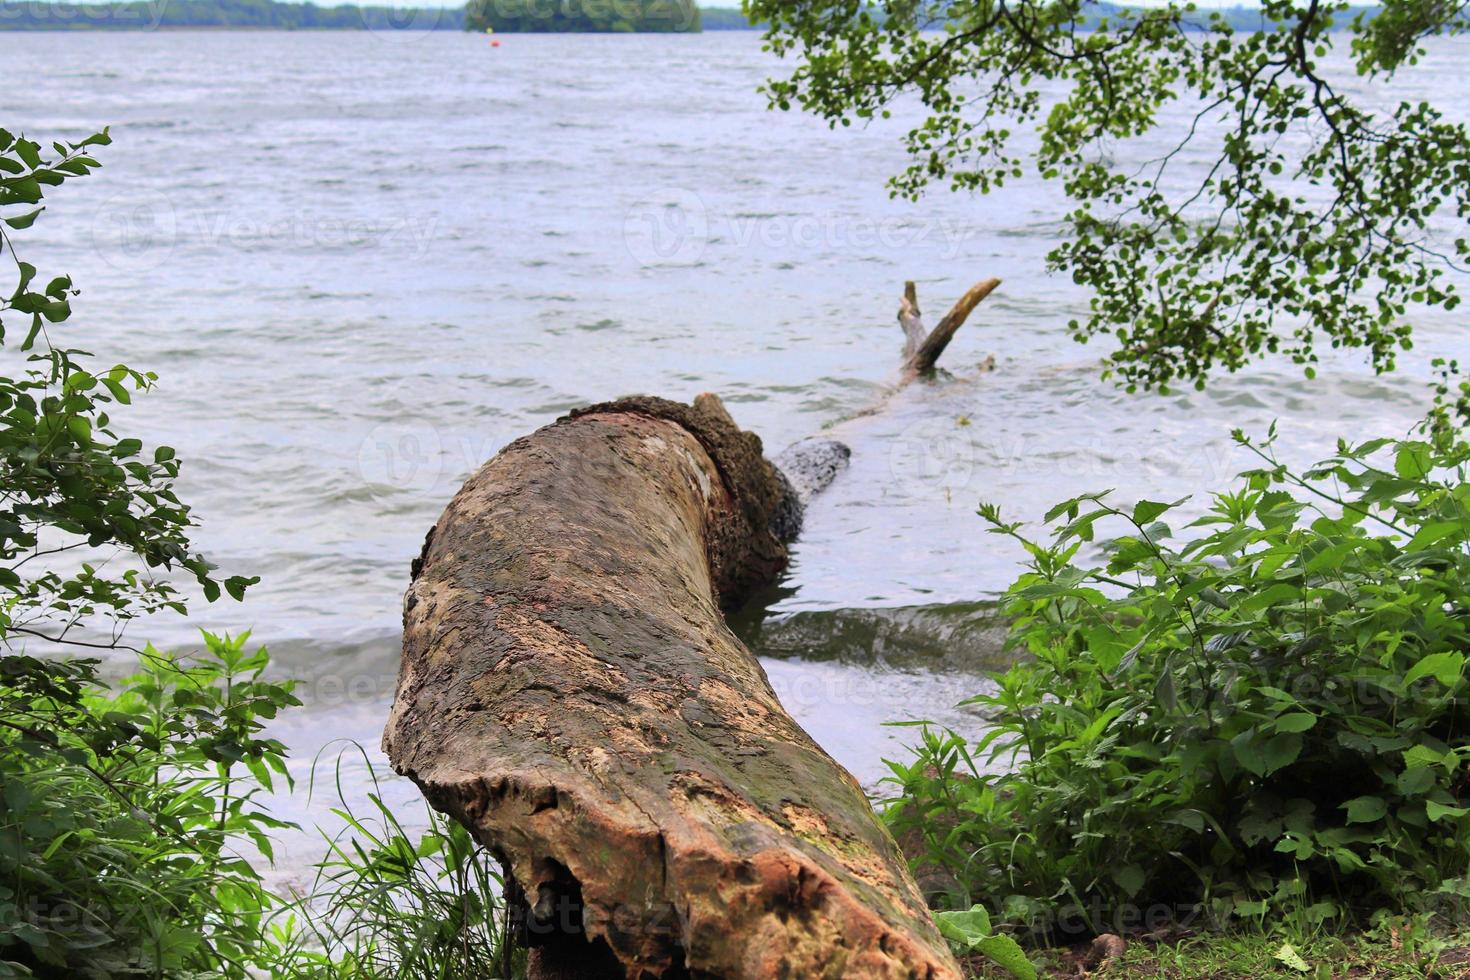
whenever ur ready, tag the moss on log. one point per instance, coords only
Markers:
(570, 692)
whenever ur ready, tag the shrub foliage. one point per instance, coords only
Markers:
(130, 836)
(1267, 711)
(122, 817)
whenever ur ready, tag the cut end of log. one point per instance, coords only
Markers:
(570, 692)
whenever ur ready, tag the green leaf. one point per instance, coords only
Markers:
(29, 151)
(80, 429)
(1422, 755)
(1446, 667)
(1365, 809)
(970, 931)
(1416, 781)
(1439, 811)
(1249, 752)
(25, 191)
(1130, 878)
(1065, 507)
(236, 585)
(1412, 461)
(1281, 751)
(1146, 510)
(24, 221)
(1435, 532)
(1296, 722)
(1289, 957)
(118, 391)
(1004, 952)
(966, 927)
(1090, 734)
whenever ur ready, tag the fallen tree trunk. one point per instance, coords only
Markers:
(570, 692)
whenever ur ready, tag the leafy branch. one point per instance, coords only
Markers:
(68, 482)
(1309, 218)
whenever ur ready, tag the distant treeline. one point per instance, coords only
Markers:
(502, 16)
(153, 14)
(1242, 19)
(583, 16)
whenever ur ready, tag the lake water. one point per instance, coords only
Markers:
(360, 263)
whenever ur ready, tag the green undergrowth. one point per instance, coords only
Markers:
(1260, 715)
(1380, 955)
(134, 839)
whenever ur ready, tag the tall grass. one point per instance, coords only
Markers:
(387, 902)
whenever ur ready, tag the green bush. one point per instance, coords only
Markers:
(121, 817)
(1265, 715)
(128, 822)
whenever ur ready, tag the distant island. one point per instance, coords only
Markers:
(500, 16)
(726, 19)
(583, 16)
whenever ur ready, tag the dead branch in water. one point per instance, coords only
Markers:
(921, 351)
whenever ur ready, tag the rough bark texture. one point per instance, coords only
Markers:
(571, 693)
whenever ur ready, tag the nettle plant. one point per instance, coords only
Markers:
(1265, 713)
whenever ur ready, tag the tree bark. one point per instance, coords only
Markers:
(570, 692)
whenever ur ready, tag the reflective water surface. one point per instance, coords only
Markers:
(361, 263)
